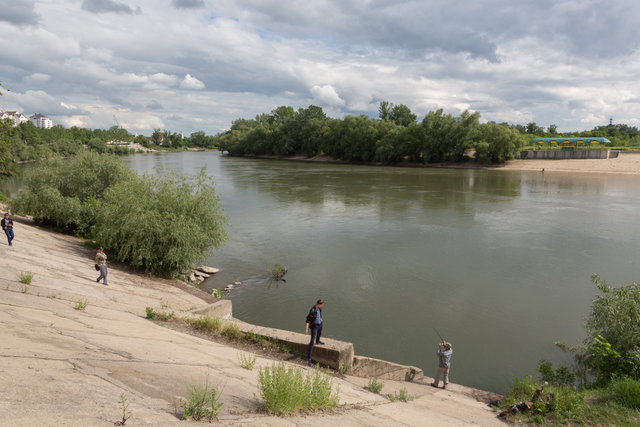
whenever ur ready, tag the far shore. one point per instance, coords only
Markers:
(627, 163)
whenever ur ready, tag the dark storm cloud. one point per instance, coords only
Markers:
(18, 12)
(104, 6)
(187, 4)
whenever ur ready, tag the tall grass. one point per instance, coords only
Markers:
(202, 401)
(208, 324)
(286, 390)
(626, 391)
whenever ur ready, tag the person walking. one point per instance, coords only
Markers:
(444, 363)
(7, 226)
(314, 322)
(101, 262)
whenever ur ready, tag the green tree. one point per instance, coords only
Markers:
(402, 115)
(65, 193)
(384, 110)
(163, 225)
(497, 143)
(447, 137)
(553, 130)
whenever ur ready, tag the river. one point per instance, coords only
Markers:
(499, 262)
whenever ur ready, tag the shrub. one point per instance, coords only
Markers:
(202, 401)
(626, 391)
(374, 385)
(562, 376)
(521, 390)
(286, 390)
(65, 193)
(162, 225)
(26, 277)
(247, 361)
(81, 304)
(150, 313)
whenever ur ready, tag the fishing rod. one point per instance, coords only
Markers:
(442, 339)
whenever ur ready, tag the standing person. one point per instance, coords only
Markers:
(444, 363)
(7, 226)
(314, 321)
(101, 262)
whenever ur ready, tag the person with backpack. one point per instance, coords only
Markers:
(314, 322)
(7, 226)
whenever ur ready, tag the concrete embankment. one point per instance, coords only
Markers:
(64, 364)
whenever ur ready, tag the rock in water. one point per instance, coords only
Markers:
(208, 270)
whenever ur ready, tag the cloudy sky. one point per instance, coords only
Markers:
(188, 65)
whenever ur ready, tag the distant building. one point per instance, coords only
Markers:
(15, 116)
(41, 121)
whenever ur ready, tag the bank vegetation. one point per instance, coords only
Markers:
(602, 386)
(162, 225)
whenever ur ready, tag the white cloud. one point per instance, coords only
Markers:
(190, 82)
(326, 95)
(82, 61)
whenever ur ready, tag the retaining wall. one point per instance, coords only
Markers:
(568, 154)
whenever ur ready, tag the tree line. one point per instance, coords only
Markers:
(395, 136)
(27, 142)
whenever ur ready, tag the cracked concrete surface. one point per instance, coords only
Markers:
(65, 366)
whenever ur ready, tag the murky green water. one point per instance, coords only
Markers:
(498, 261)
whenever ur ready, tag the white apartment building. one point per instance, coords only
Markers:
(41, 121)
(15, 116)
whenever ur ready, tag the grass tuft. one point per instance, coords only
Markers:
(374, 385)
(202, 401)
(81, 305)
(26, 277)
(208, 324)
(247, 360)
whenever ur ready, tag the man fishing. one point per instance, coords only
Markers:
(444, 363)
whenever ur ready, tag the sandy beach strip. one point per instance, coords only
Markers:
(625, 163)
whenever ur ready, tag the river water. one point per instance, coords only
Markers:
(499, 262)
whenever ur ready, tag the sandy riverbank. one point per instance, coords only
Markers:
(66, 366)
(625, 163)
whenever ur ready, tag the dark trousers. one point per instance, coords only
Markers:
(316, 332)
(9, 232)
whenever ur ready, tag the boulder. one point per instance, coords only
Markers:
(208, 270)
(201, 274)
(192, 277)
(237, 283)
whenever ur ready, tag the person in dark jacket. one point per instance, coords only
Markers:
(7, 226)
(314, 322)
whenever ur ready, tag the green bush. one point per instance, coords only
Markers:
(285, 390)
(374, 385)
(162, 225)
(626, 391)
(202, 401)
(150, 313)
(66, 193)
